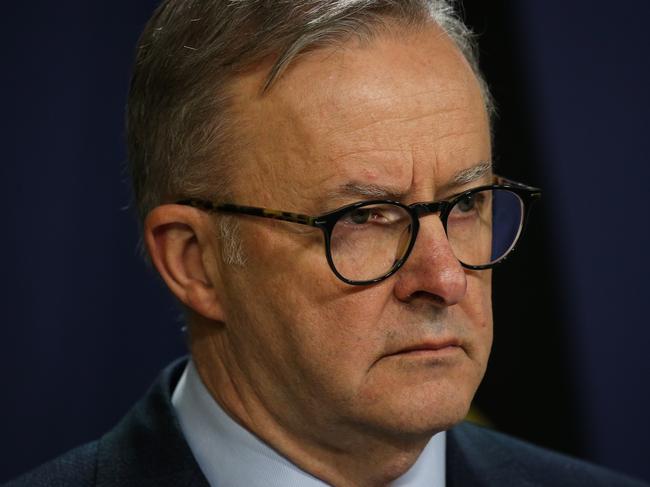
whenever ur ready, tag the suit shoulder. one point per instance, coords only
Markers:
(76, 467)
(539, 466)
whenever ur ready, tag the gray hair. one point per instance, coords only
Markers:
(178, 120)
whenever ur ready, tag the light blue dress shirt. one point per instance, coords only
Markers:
(231, 456)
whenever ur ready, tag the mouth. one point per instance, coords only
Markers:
(430, 349)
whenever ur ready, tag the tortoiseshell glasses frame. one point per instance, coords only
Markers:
(326, 222)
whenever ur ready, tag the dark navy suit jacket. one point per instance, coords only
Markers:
(147, 449)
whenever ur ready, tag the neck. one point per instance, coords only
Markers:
(338, 454)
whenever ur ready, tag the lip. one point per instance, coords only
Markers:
(437, 347)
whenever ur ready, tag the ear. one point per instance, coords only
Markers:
(178, 239)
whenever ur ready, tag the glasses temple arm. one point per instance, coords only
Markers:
(250, 210)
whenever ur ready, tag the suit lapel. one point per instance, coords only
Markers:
(147, 447)
(473, 459)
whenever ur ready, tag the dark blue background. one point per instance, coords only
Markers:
(589, 68)
(86, 327)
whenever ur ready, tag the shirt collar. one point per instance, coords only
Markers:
(229, 455)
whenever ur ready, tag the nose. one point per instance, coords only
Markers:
(431, 271)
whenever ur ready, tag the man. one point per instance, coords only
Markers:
(316, 189)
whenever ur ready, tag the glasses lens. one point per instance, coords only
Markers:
(367, 242)
(484, 227)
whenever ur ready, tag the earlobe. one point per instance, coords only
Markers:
(176, 238)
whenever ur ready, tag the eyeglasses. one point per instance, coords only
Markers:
(368, 241)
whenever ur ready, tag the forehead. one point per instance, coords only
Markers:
(402, 111)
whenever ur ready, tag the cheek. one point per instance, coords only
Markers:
(321, 347)
(322, 323)
(338, 326)
(478, 308)
(478, 300)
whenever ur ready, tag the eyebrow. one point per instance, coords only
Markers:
(366, 190)
(471, 174)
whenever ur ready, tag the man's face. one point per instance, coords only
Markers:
(403, 115)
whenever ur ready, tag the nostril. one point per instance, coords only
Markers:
(428, 296)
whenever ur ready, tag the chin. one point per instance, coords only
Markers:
(421, 412)
(431, 413)
(420, 395)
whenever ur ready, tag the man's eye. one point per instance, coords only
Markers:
(469, 203)
(380, 215)
(360, 216)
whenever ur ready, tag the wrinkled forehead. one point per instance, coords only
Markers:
(357, 109)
